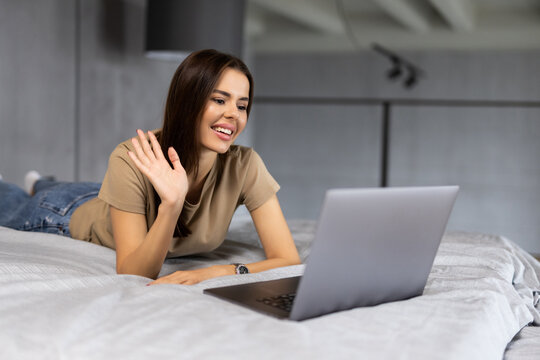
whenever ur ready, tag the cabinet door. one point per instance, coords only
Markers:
(493, 153)
(310, 148)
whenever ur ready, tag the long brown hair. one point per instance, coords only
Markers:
(191, 87)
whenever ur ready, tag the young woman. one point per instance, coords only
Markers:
(172, 192)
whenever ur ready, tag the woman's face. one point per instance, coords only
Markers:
(225, 115)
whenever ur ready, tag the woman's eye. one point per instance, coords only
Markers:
(219, 101)
(242, 107)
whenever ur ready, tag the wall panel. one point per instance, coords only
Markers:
(310, 148)
(469, 75)
(37, 88)
(120, 89)
(491, 152)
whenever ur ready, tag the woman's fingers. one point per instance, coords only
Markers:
(145, 153)
(175, 159)
(189, 277)
(169, 279)
(169, 182)
(155, 146)
(137, 162)
(141, 156)
(145, 145)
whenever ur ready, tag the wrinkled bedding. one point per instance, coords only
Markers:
(61, 298)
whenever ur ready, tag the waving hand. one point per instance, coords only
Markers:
(170, 183)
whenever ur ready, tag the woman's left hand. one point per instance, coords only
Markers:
(191, 277)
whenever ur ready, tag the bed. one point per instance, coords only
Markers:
(61, 298)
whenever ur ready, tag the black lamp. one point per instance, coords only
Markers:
(175, 28)
(400, 67)
(395, 71)
(411, 79)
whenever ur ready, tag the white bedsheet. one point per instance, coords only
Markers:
(61, 298)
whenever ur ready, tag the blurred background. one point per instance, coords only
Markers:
(349, 93)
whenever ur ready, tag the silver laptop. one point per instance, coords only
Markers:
(371, 246)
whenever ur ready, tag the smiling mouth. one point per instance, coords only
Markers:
(222, 130)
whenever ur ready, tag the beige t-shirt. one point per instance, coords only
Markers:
(237, 177)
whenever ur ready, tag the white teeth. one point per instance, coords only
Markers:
(223, 130)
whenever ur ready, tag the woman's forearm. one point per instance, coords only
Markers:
(144, 254)
(190, 277)
(263, 265)
(271, 264)
(147, 259)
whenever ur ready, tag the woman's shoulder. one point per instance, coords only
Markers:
(120, 165)
(247, 170)
(121, 149)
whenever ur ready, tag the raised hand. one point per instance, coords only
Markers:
(170, 183)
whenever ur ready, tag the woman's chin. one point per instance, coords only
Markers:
(223, 150)
(220, 149)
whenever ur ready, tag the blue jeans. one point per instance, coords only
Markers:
(49, 210)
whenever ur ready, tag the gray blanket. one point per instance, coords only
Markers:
(61, 298)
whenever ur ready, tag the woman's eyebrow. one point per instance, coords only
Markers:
(224, 93)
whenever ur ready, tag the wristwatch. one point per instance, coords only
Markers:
(241, 269)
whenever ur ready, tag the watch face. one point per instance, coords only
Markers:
(242, 269)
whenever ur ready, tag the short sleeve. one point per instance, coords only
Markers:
(123, 185)
(259, 185)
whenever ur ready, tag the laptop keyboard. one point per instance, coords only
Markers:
(283, 302)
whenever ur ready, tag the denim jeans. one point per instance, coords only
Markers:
(49, 210)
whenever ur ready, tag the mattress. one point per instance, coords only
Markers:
(61, 298)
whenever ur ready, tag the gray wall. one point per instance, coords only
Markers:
(491, 151)
(37, 88)
(310, 148)
(120, 89)
(481, 75)
(74, 83)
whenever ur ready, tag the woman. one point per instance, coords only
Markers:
(172, 192)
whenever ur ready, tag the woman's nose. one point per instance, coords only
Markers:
(231, 112)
